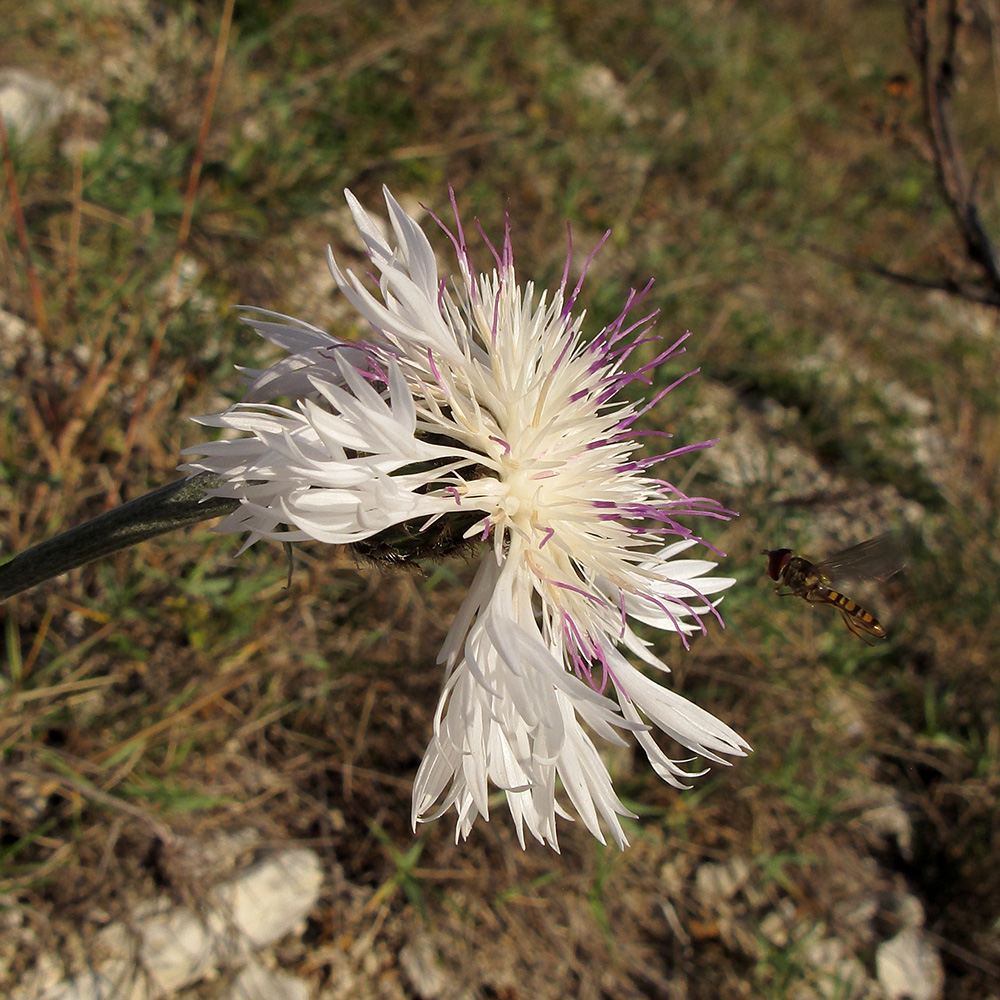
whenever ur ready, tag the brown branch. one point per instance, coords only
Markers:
(938, 77)
(948, 284)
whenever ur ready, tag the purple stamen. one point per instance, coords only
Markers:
(569, 255)
(496, 256)
(576, 590)
(562, 355)
(434, 369)
(571, 301)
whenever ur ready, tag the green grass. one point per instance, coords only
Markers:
(734, 150)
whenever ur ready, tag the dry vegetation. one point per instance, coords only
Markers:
(172, 697)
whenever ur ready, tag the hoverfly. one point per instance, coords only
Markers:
(875, 559)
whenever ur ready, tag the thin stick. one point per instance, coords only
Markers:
(37, 300)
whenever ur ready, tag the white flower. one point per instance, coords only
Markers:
(480, 412)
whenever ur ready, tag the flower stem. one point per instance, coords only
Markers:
(173, 506)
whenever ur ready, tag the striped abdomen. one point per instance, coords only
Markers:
(855, 617)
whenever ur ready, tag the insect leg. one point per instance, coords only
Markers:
(858, 628)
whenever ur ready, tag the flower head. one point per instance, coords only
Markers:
(479, 411)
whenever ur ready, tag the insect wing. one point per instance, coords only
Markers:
(875, 559)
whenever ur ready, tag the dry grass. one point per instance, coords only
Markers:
(173, 696)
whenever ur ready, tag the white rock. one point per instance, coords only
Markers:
(716, 883)
(29, 103)
(176, 949)
(909, 910)
(116, 941)
(267, 900)
(774, 928)
(908, 966)
(600, 85)
(856, 915)
(126, 980)
(781, 925)
(890, 820)
(45, 976)
(257, 983)
(419, 961)
(163, 948)
(113, 981)
(11, 935)
(845, 980)
(835, 974)
(822, 952)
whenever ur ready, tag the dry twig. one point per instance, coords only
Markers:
(939, 67)
(939, 64)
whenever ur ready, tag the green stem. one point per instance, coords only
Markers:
(173, 506)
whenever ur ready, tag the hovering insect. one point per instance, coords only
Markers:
(875, 559)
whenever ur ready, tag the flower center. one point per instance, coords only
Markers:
(525, 499)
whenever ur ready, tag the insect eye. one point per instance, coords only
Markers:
(777, 560)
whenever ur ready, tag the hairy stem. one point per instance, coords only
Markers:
(173, 506)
